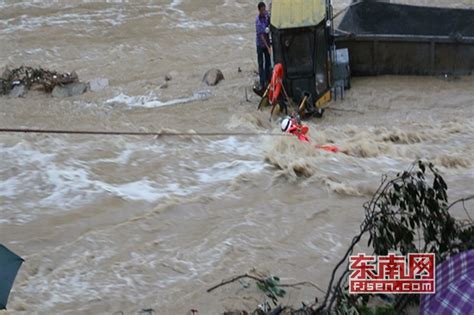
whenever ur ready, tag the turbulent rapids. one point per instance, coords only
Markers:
(126, 223)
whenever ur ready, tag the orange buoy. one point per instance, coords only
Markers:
(276, 83)
(332, 149)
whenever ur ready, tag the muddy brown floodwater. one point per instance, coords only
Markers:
(110, 224)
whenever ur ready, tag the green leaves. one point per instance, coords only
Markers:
(270, 286)
(407, 214)
(411, 205)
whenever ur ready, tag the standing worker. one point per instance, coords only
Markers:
(264, 49)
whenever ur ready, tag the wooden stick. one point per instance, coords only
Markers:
(303, 104)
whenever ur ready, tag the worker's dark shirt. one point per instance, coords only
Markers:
(261, 24)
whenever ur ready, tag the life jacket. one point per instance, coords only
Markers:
(301, 132)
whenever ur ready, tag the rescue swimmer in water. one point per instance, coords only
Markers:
(293, 125)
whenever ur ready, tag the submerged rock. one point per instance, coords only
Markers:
(68, 90)
(18, 91)
(171, 75)
(213, 77)
(97, 85)
(147, 311)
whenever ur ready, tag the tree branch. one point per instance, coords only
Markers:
(463, 201)
(248, 276)
(223, 283)
(301, 284)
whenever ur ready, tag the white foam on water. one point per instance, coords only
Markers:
(227, 171)
(175, 3)
(71, 279)
(92, 20)
(194, 24)
(144, 190)
(174, 7)
(28, 154)
(79, 277)
(69, 186)
(151, 101)
(42, 183)
(8, 188)
(123, 157)
(33, 183)
(43, 177)
(184, 21)
(332, 242)
(237, 146)
(140, 190)
(191, 24)
(233, 25)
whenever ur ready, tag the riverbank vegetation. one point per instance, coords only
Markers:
(409, 213)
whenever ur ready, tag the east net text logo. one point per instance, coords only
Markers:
(392, 274)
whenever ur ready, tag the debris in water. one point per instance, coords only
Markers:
(29, 76)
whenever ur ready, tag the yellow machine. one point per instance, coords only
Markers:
(302, 42)
(380, 37)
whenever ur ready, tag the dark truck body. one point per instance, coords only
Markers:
(301, 39)
(304, 54)
(397, 39)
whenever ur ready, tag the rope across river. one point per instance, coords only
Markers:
(141, 133)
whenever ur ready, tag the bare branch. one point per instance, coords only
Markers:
(300, 284)
(463, 201)
(261, 280)
(223, 283)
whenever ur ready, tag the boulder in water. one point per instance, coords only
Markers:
(18, 91)
(147, 311)
(97, 85)
(171, 75)
(68, 90)
(213, 77)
